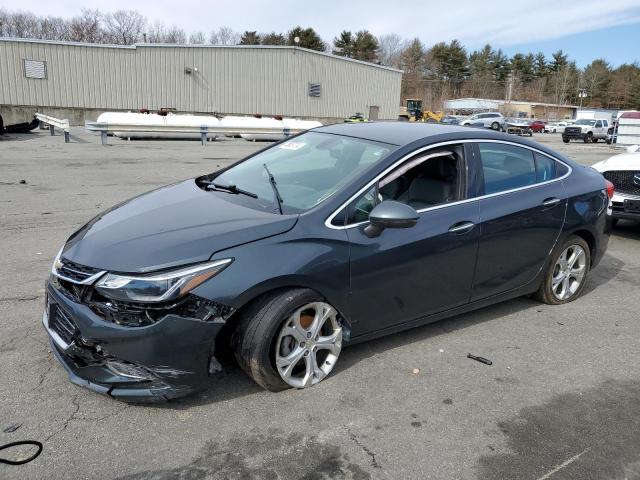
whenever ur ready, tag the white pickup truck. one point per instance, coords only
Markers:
(586, 129)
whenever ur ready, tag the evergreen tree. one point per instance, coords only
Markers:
(308, 38)
(273, 38)
(250, 38)
(343, 44)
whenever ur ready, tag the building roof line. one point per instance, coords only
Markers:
(516, 102)
(172, 45)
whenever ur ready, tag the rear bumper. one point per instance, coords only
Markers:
(168, 359)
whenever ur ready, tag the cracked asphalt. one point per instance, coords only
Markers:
(561, 400)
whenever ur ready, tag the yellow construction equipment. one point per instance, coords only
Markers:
(412, 111)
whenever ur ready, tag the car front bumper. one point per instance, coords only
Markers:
(168, 359)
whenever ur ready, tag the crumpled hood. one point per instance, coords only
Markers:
(174, 225)
(625, 161)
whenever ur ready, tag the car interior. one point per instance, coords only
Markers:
(424, 181)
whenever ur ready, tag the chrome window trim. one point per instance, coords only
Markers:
(330, 218)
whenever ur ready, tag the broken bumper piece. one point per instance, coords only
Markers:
(168, 359)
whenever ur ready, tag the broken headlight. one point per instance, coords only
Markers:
(158, 287)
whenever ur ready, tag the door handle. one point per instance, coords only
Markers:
(461, 227)
(550, 202)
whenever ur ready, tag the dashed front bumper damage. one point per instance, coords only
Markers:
(167, 359)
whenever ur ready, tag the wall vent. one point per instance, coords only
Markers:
(314, 89)
(35, 69)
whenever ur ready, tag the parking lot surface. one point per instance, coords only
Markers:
(561, 400)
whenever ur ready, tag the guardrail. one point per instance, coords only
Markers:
(55, 123)
(122, 129)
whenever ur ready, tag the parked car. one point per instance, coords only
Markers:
(450, 121)
(587, 130)
(555, 127)
(492, 120)
(624, 172)
(537, 126)
(341, 234)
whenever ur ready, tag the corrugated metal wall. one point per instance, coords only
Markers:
(229, 79)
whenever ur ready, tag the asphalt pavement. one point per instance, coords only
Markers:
(560, 401)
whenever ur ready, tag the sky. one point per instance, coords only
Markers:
(585, 29)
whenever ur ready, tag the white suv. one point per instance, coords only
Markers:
(493, 120)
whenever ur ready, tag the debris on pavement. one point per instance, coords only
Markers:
(486, 361)
(12, 428)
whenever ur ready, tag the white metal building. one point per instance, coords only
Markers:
(85, 79)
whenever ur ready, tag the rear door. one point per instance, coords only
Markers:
(522, 211)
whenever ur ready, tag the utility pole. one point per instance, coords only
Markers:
(509, 88)
(582, 93)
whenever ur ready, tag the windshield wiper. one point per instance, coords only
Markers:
(231, 189)
(277, 199)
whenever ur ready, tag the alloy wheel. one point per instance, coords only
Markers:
(569, 272)
(308, 345)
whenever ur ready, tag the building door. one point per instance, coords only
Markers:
(374, 110)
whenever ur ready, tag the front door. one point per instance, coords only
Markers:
(405, 274)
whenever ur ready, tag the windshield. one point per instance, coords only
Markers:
(585, 121)
(307, 170)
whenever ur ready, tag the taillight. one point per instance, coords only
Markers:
(610, 189)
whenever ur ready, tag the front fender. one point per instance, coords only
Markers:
(319, 261)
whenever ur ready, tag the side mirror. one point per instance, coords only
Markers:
(390, 214)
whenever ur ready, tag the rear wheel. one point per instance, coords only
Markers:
(288, 339)
(565, 139)
(565, 277)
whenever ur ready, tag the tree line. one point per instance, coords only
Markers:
(433, 74)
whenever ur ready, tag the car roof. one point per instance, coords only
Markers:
(395, 132)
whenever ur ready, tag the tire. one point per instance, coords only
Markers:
(565, 139)
(495, 126)
(259, 332)
(588, 138)
(594, 140)
(553, 296)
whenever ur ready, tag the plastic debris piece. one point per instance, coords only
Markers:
(415, 371)
(486, 361)
(12, 428)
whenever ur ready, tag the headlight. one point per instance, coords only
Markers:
(158, 287)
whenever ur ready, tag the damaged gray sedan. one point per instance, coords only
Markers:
(338, 235)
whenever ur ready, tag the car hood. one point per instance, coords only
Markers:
(171, 226)
(625, 161)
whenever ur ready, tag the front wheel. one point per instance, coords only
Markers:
(588, 138)
(495, 126)
(565, 139)
(288, 339)
(565, 276)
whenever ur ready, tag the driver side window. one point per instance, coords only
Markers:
(426, 180)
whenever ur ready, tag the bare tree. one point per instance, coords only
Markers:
(197, 38)
(124, 27)
(53, 28)
(390, 49)
(86, 27)
(176, 35)
(23, 25)
(224, 36)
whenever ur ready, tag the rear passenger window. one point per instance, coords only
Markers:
(545, 168)
(506, 167)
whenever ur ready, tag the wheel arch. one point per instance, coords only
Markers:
(588, 237)
(274, 287)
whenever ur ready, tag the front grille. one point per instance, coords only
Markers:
(74, 271)
(62, 324)
(623, 181)
(572, 130)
